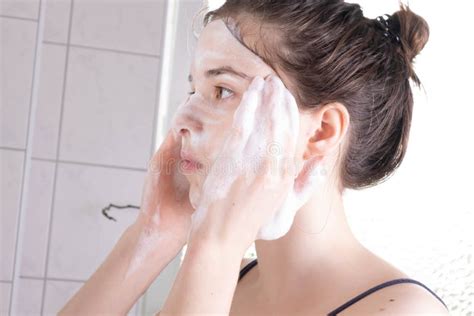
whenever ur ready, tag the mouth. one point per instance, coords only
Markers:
(188, 162)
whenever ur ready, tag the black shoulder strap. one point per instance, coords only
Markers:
(247, 268)
(378, 287)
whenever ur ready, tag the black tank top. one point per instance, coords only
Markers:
(254, 262)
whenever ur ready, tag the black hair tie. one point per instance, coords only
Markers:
(390, 27)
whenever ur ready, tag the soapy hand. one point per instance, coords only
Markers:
(251, 192)
(165, 208)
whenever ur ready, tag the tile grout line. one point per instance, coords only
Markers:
(18, 18)
(12, 148)
(29, 277)
(21, 217)
(103, 49)
(58, 144)
(89, 164)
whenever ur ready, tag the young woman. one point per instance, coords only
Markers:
(278, 88)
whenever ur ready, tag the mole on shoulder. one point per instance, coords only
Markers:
(391, 300)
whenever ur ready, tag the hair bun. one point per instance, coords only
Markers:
(414, 31)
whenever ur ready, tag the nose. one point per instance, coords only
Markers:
(185, 124)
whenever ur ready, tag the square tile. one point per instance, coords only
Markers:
(56, 22)
(17, 59)
(11, 164)
(28, 301)
(38, 211)
(109, 108)
(5, 289)
(20, 8)
(135, 26)
(58, 294)
(81, 236)
(46, 130)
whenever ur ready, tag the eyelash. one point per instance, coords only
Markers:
(218, 87)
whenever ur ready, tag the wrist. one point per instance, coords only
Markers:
(161, 244)
(216, 234)
(224, 246)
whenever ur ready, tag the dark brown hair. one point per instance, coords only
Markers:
(332, 53)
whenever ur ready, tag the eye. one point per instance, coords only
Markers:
(223, 93)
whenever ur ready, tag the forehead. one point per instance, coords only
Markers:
(217, 46)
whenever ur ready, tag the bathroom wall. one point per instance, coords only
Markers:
(80, 91)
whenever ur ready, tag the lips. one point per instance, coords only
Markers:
(188, 162)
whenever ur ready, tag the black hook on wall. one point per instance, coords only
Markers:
(105, 210)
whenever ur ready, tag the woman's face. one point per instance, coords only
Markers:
(221, 71)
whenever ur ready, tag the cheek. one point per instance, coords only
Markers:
(216, 140)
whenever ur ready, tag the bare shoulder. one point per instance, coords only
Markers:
(399, 299)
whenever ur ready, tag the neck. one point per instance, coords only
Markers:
(312, 248)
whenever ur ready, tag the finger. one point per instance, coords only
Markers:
(276, 110)
(293, 115)
(280, 144)
(307, 178)
(166, 155)
(244, 116)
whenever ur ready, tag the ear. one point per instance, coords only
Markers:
(329, 125)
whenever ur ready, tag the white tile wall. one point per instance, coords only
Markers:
(38, 214)
(28, 9)
(45, 135)
(80, 233)
(57, 295)
(17, 57)
(4, 297)
(11, 164)
(57, 20)
(132, 26)
(92, 136)
(29, 297)
(109, 106)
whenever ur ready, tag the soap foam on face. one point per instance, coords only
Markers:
(210, 114)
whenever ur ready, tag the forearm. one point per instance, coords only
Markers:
(113, 289)
(206, 280)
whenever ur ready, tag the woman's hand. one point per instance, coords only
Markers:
(165, 207)
(147, 246)
(255, 172)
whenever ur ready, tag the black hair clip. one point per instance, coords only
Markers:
(390, 27)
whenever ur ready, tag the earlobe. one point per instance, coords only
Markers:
(331, 122)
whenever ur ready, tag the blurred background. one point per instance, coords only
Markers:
(87, 91)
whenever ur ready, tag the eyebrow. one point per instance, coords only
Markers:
(222, 71)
